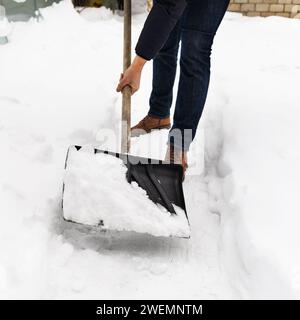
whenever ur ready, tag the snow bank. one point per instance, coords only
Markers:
(252, 153)
(97, 192)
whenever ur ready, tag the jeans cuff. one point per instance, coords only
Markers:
(153, 115)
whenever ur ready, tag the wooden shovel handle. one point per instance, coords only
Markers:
(126, 93)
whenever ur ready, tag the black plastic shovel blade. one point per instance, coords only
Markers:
(161, 181)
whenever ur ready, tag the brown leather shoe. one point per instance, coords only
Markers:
(177, 156)
(150, 123)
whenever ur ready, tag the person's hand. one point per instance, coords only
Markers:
(132, 76)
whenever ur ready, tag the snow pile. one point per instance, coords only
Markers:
(252, 153)
(97, 192)
(96, 14)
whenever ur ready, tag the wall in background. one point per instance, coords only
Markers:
(265, 8)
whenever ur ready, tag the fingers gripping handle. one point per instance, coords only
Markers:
(126, 93)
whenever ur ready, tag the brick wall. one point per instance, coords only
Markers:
(265, 8)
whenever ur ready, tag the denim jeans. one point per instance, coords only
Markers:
(195, 30)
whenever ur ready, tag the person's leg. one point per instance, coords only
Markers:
(164, 73)
(199, 25)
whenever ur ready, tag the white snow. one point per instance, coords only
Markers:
(255, 119)
(5, 27)
(97, 192)
(57, 89)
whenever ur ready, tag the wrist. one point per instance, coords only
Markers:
(138, 62)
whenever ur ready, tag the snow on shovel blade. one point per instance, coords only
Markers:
(97, 193)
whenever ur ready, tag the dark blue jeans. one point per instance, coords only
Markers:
(196, 30)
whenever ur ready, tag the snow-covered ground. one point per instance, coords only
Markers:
(57, 88)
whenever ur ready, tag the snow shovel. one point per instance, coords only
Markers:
(152, 189)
